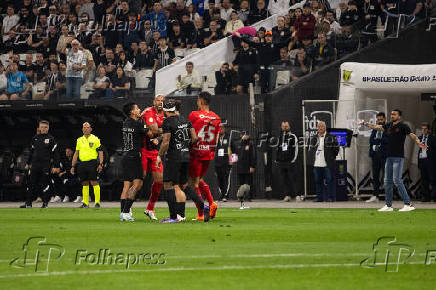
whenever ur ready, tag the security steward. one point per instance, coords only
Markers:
(43, 156)
(223, 164)
(287, 153)
(88, 148)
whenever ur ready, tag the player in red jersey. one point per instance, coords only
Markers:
(153, 118)
(207, 125)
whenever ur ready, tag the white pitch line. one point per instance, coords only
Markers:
(177, 269)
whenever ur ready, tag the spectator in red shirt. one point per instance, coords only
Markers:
(305, 24)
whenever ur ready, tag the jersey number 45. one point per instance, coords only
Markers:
(207, 133)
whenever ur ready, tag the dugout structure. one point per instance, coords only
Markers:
(368, 88)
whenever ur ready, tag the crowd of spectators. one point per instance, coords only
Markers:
(58, 45)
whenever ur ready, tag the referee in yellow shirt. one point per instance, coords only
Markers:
(88, 148)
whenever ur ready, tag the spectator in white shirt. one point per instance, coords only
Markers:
(234, 24)
(9, 22)
(76, 64)
(334, 25)
(189, 79)
(226, 10)
(3, 80)
(278, 6)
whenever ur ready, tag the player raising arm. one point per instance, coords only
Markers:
(133, 134)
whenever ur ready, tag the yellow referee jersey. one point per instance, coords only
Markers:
(87, 147)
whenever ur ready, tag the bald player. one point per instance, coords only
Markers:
(153, 118)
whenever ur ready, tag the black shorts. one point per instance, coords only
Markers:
(87, 170)
(176, 172)
(132, 168)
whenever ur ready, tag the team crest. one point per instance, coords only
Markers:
(46, 141)
(346, 75)
(91, 145)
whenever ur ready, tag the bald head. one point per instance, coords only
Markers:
(321, 127)
(158, 101)
(86, 128)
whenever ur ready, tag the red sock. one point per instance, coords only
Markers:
(204, 188)
(200, 210)
(156, 187)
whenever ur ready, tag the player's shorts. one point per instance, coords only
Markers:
(132, 168)
(87, 170)
(149, 159)
(176, 172)
(198, 168)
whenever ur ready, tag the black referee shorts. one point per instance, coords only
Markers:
(132, 168)
(87, 170)
(176, 172)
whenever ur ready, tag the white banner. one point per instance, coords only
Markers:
(387, 76)
(204, 60)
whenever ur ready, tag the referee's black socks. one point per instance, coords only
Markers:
(171, 199)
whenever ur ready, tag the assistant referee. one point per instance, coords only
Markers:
(88, 148)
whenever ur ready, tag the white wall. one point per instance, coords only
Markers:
(204, 60)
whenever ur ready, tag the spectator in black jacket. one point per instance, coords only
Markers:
(43, 159)
(247, 62)
(281, 34)
(270, 53)
(246, 164)
(302, 65)
(259, 13)
(223, 79)
(371, 12)
(351, 17)
(119, 86)
(287, 153)
(377, 152)
(145, 59)
(323, 53)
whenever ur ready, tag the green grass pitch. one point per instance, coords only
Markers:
(240, 249)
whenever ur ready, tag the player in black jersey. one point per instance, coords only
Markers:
(133, 134)
(178, 136)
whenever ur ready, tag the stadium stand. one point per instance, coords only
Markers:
(37, 33)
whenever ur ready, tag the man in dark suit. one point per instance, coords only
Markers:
(427, 163)
(377, 151)
(326, 149)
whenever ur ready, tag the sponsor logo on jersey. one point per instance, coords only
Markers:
(203, 147)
